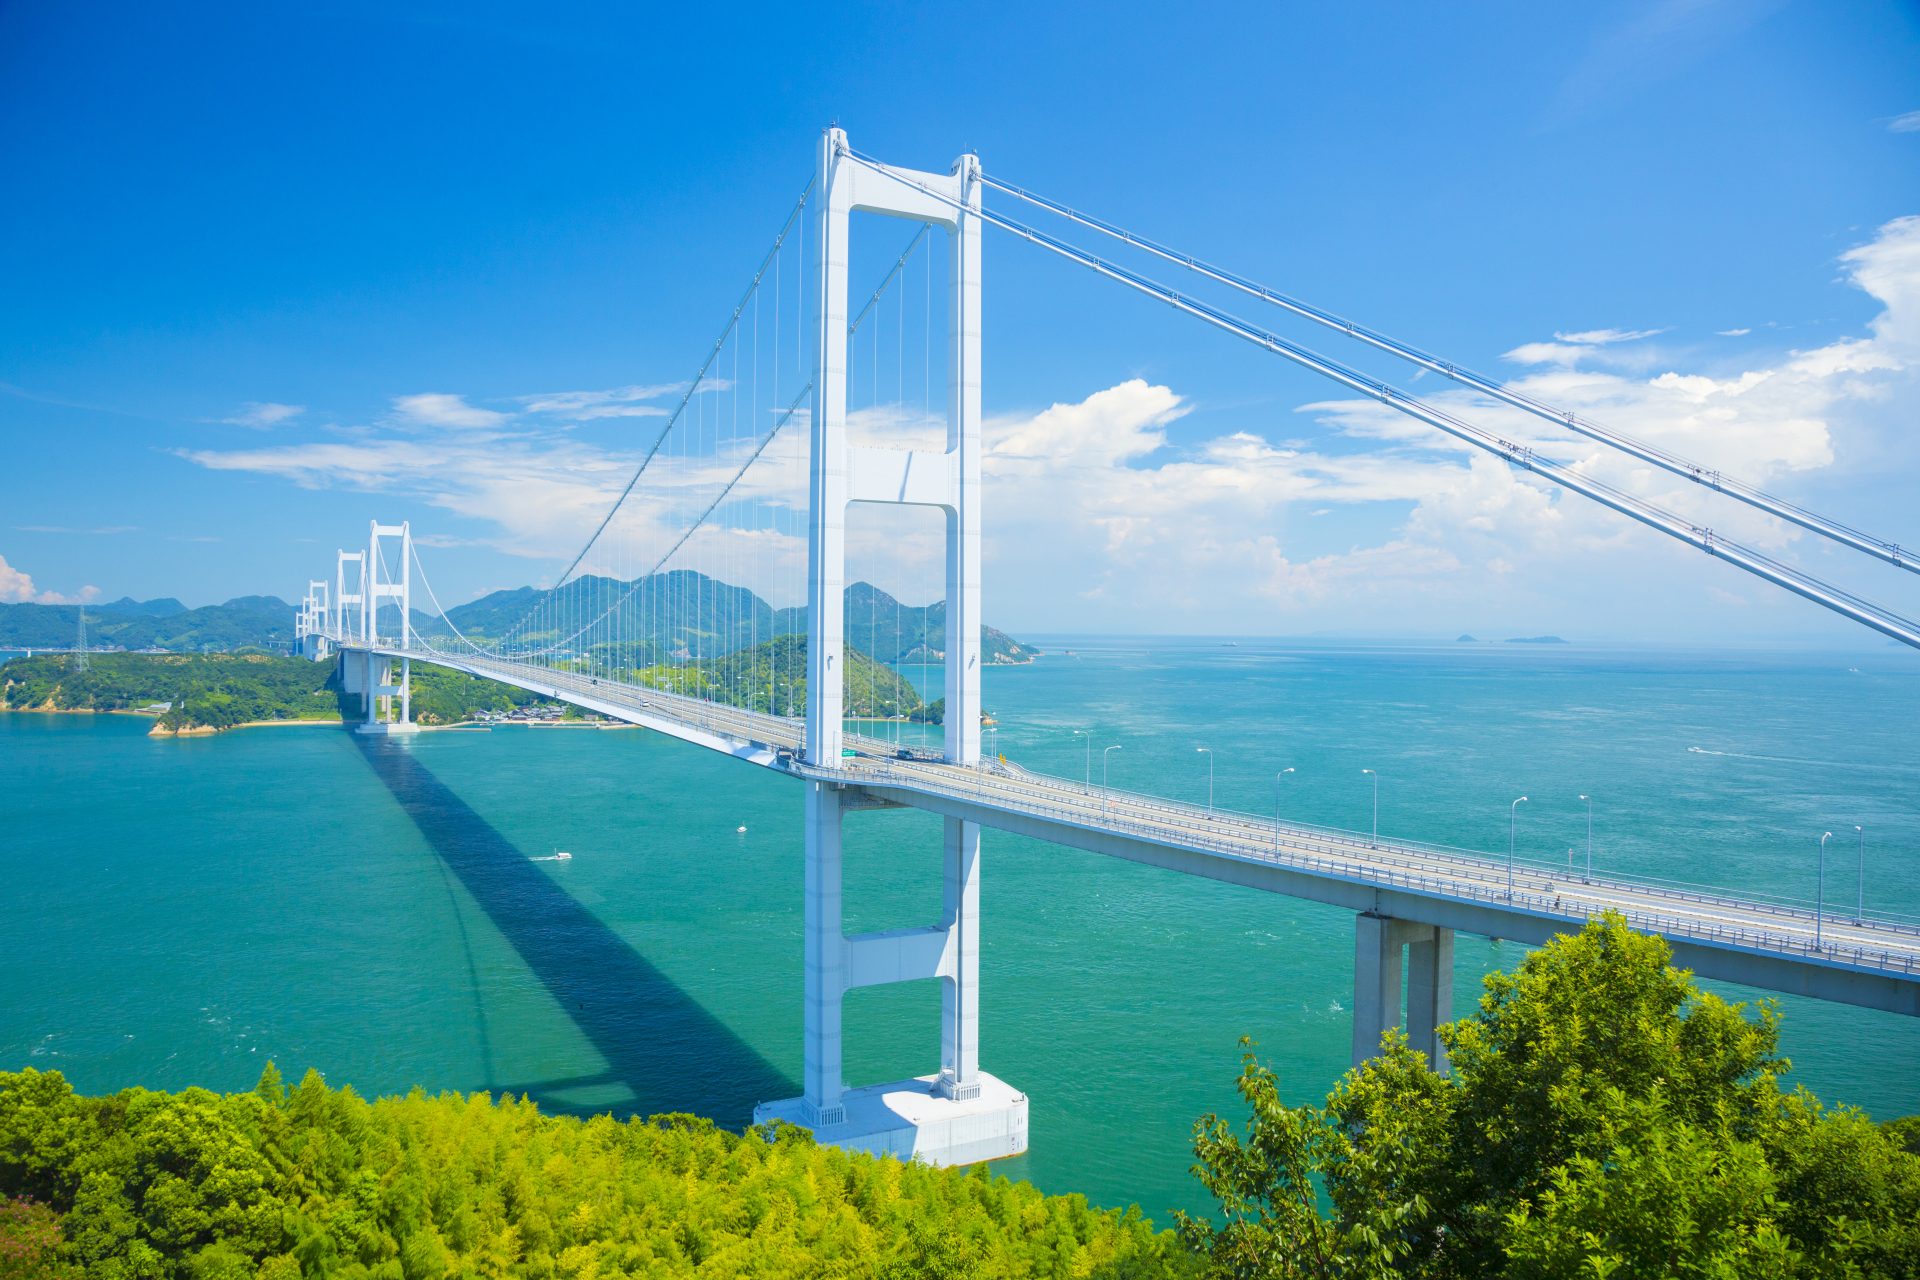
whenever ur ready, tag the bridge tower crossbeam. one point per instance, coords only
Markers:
(959, 1114)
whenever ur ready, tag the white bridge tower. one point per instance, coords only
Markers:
(382, 586)
(959, 1114)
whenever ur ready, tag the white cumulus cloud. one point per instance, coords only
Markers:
(16, 587)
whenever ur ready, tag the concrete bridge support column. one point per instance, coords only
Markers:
(1386, 953)
(958, 1115)
(826, 971)
(960, 987)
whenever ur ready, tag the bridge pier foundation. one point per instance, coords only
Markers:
(379, 683)
(1386, 953)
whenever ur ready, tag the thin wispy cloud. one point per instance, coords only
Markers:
(1908, 123)
(1606, 337)
(614, 402)
(1654, 43)
(1569, 348)
(262, 414)
(438, 409)
(1733, 333)
(68, 529)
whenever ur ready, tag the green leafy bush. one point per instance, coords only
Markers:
(1603, 1117)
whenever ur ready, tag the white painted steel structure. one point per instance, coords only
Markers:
(1408, 897)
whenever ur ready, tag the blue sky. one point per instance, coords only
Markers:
(337, 210)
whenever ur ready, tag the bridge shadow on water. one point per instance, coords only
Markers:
(658, 1043)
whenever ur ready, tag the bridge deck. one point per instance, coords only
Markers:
(1869, 962)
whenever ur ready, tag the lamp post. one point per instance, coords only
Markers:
(1208, 752)
(1376, 808)
(1589, 877)
(1105, 756)
(1513, 824)
(1860, 907)
(1276, 805)
(1820, 899)
(1088, 735)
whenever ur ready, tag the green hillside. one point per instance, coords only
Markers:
(216, 690)
(772, 676)
(220, 690)
(683, 615)
(264, 622)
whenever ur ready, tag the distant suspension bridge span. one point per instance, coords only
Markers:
(727, 487)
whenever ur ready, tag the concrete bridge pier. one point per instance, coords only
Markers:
(957, 1115)
(385, 685)
(1386, 953)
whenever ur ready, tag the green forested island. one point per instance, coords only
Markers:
(1603, 1118)
(191, 692)
(186, 691)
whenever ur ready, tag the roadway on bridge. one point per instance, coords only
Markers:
(1717, 920)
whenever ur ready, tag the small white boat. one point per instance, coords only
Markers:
(561, 855)
(740, 830)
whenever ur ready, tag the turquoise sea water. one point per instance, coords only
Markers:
(179, 912)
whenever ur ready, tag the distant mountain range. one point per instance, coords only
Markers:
(671, 617)
(264, 622)
(683, 615)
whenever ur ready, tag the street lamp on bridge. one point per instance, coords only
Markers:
(1513, 824)
(1276, 805)
(1208, 752)
(1589, 876)
(1376, 808)
(1088, 735)
(1820, 893)
(1860, 906)
(1105, 754)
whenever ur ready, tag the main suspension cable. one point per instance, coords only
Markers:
(693, 388)
(1879, 619)
(759, 449)
(1713, 479)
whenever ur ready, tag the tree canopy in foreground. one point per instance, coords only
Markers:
(1603, 1117)
(279, 1184)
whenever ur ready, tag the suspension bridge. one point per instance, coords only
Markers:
(817, 440)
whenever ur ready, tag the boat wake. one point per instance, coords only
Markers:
(1830, 764)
